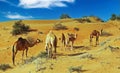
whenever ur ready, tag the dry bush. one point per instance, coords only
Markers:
(4, 67)
(76, 28)
(59, 26)
(20, 28)
(75, 69)
(104, 33)
(42, 55)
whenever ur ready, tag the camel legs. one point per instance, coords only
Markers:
(22, 55)
(14, 54)
(90, 41)
(63, 44)
(97, 40)
(26, 51)
(49, 50)
(72, 42)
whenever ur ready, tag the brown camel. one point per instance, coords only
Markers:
(71, 38)
(51, 44)
(21, 45)
(96, 34)
(63, 40)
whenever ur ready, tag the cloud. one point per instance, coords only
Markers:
(44, 3)
(17, 16)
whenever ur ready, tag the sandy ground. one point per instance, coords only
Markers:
(104, 58)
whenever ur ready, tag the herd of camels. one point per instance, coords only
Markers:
(50, 44)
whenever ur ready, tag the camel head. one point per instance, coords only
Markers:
(38, 41)
(72, 35)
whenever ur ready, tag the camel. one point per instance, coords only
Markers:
(96, 34)
(51, 44)
(71, 38)
(63, 38)
(21, 45)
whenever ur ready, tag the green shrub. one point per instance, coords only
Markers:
(20, 28)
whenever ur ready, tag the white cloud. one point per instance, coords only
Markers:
(44, 3)
(17, 16)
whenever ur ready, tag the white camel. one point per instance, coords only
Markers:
(51, 44)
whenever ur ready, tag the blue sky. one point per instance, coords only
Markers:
(52, 9)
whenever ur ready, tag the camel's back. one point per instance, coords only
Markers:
(21, 44)
(50, 37)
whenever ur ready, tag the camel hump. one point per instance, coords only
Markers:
(52, 35)
(21, 40)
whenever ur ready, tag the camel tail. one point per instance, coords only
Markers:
(13, 55)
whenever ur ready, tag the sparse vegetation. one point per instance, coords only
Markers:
(31, 59)
(115, 17)
(104, 33)
(76, 28)
(113, 49)
(89, 19)
(64, 16)
(75, 69)
(4, 67)
(82, 20)
(42, 55)
(59, 26)
(20, 28)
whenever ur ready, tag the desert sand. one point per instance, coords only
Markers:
(104, 58)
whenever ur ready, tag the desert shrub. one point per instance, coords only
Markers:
(115, 17)
(31, 59)
(104, 33)
(113, 49)
(64, 16)
(4, 67)
(81, 20)
(19, 28)
(75, 69)
(42, 55)
(59, 26)
(76, 28)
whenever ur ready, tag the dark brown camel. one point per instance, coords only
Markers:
(21, 45)
(96, 34)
